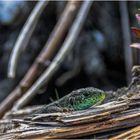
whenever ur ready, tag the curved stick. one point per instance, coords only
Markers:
(51, 46)
(65, 49)
(25, 36)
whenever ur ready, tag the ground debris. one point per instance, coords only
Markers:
(116, 115)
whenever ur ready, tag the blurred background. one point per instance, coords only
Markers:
(97, 60)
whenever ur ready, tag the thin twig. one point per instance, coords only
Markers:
(52, 45)
(126, 39)
(25, 36)
(65, 49)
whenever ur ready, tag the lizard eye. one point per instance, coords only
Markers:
(86, 94)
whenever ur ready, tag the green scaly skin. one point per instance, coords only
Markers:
(75, 101)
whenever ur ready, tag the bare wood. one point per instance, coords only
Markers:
(24, 37)
(103, 118)
(47, 53)
(130, 134)
(21, 113)
(117, 121)
(65, 49)
(85, 129)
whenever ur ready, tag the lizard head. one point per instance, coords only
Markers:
(85, 98)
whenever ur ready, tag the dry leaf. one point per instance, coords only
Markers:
(136, 31)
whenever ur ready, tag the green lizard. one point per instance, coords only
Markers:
(77, 100)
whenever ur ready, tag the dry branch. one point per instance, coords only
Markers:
(65, 49)
(25, 36)
(47, 53)
(126, 39)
